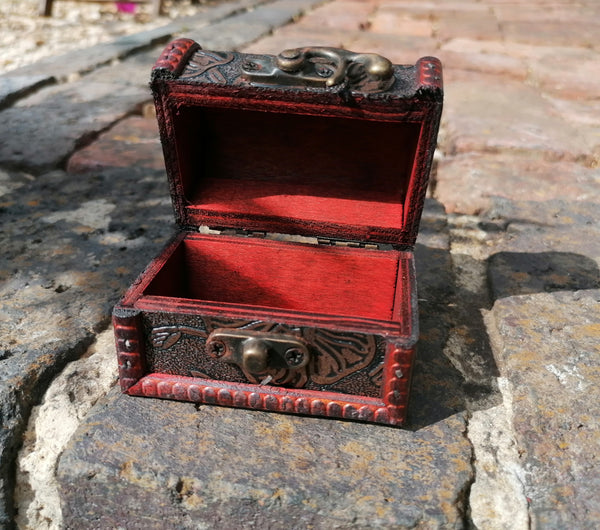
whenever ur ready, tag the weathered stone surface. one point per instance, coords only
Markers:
(551, 11)
(548, 348)
(239, 30)
(165, 464)
(51, 425)
(438, 389)
(344, 15)
(467, 24)
(71, 246)
(468, 182)
(546, 246)
(554, 32)
(484, 63)
(63, 67)
(497, 498)
(133, 142)
(489, 113)
(48, 126)
(399, 49)
(568, 74)
(563, 71)
(391, 20)
(14, 86)
(297, 36)
(432, 8)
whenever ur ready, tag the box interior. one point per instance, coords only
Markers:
(281, 275)
(306, 170)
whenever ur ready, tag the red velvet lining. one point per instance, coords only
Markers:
(320, 170)
(282, 275)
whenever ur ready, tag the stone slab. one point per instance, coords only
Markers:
(341, 15)
(562, 71)
(553, 32)
(331, 24)
(467, 24)
(544, 247)
(548, 348)
(70, 247)
(243, 28)
(431, 9)
(495, 114)
(447, 378)
(133, 142)
(297, 36)
(163, 464)
(62, 68)
(482, 63)
(467, 183)
(48, 126)
(568, 74)
(399, 49)
(387, 19)
(14, 86)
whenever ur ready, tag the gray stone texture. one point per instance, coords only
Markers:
(174, 465)
(71, 245)
(49, 125)
(548, 348)
(19, 82)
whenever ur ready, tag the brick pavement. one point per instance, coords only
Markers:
(505, 412)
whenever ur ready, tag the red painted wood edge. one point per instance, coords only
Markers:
(429, 74)
(397, 377)
(129, 345)
(273, 399)
(174, 58)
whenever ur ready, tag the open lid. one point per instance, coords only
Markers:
(316, 141)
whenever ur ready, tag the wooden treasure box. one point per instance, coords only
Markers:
(298, 182)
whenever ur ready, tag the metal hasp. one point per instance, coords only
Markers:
(319, 66)
(256, 351)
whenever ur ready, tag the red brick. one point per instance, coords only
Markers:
(483, 26)
(298, 36)
(431, 8)
(553, 33)
(566, 13)
(399, 49)
(396, 22)
(491, 113)
(466, 183)
(342, 15)
(568, 73)
(132, 142)
(487, 63)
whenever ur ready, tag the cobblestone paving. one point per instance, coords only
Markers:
(504, 418)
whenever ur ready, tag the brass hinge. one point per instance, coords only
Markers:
(274, 236)
(347, 243)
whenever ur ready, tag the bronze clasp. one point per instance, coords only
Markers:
(256, 351)
(321, 67)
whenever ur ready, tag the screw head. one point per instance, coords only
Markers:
(294, 357)
(251, 66)
(216, 349)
